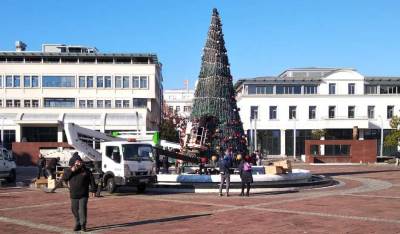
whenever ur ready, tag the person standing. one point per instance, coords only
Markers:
(41, 164)
(79, 178)
(225, 165)
(258, 158)
(246, 175)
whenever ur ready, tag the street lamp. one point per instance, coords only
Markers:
(381, 150)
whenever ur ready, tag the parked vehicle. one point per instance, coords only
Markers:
(7, 165)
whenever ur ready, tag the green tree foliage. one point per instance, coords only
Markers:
(393, 138)
(168, 131)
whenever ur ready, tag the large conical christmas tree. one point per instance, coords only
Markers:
(214, 95)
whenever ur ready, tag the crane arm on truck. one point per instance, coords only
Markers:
(76, 136)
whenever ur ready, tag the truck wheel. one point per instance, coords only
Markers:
(12, 177)
(141, 188)
(111, 186)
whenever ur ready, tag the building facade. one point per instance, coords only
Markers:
(179, 101)
(337, 101)
(42, 90)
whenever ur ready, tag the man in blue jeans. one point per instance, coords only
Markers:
(79, 178)
(225, 165)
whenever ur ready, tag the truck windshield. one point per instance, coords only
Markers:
(136, 152)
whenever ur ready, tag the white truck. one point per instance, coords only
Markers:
(7, 165)
(118, 162)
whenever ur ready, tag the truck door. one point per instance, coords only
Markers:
(113, 161)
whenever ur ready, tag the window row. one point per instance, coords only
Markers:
(16, 103)
(312, 110)
(178, 109)
(281, 89)
(123, 82)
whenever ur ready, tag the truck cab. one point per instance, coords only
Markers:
(127, 163)
(7, 165)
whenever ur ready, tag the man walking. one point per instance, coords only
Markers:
(224, 169)
(41, 164)
(79, 179)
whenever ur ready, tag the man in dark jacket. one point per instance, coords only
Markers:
(79, 178)
(225, 165)
(41, 164)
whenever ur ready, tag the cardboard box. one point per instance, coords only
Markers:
(285, 164)
(51, 183)
(274, 170)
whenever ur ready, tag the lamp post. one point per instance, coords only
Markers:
(381, 149)
(2, 130)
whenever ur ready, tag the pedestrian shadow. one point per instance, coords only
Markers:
(274, 192)
(148, 221)
(354, 172)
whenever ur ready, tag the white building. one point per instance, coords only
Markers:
(336, 100)
(39, 91)
(179, 101)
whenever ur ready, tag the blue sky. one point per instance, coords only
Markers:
(263, 37)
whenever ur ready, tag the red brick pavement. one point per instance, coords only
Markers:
(355, 206)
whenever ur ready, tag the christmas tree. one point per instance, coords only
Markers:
(214, 95)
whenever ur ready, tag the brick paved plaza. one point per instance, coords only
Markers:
(367, 200)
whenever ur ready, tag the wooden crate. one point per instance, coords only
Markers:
(274, 170)
(51, 183)
(42, 182)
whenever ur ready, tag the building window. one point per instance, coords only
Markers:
(35, 81)
(332, 112)
(100, 104)
(388, 89)
(371, 89)
(89, 103)
(1, 103)
(82, 103)
(35, 103)
(371, 112)
(107, 82)
(135, 82)
(16, 81)
(292, 112)
(59, 102)
(390, 112)
(350, 112)
(139, 102)
(17, 103)
(178, 109)
(9, 103)
(9, 81)
(125, 82)
(58, 81)
(27, 103)
(1, 81)
(351, 88)
(27, 81)
(288, 89)
(272, 112)
(254, 112)
(125, 103)
(312, 112)
(143, 82)
(107, 103)
(89, 82)
(187, 108)
(100, 82)
(118, 82)
(332, 88)
(266, 89)
(171, 109)
(310, 89)
(118, 104)
(82, 82)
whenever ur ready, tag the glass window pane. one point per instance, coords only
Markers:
(135, 82)
(126, 103)
(100, 103)
(89, 103)
(35, 103)
(100, 82)
(107, 103)
(143, 82)
(27, 103)
(89, 82)
(118, 103)
(58, 81)
(35, 81)
(126, 82)
(27, 81)
(139, 102)
(82, 103)
(16, 81)
(118, 82)
(107, 83)
(81, 82)
(1, 81)
(9, 81)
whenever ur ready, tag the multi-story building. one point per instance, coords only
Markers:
(179, 101)
(42, 90)
(301, 100)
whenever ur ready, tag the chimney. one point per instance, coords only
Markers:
(20, 46)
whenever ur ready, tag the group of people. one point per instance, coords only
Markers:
(47, 168)
(245, 172)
